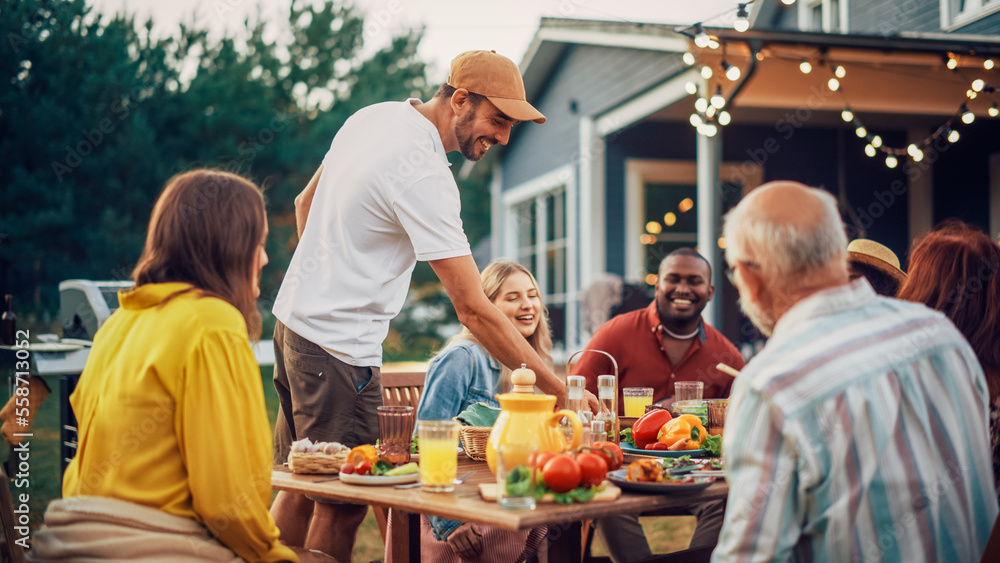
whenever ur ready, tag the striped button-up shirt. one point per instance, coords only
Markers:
(859, 433)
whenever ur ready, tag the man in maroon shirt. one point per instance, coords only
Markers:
(667, 341)
(655, 347)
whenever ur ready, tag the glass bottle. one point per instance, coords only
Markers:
(575, 385)
(9, 321)
(607, 395)
(597, 431)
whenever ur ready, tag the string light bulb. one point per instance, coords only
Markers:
(861, 132)
(732, 72)
(710, 111)
(876, 141)
(701, 104)
(891, 161)
(869, 150)
(724, 118)
(742, 22)
(967, 116)
(834, 84)
(718, 101)
(695, 120)
(953, 136)
(701, 39)
(952, 63)
(688, 58)
(788, 2)
(839, 71)
(988, 64)
(978, 84)
(847, 115)
(994, 110)
(706, 72)
(805, 67)
(691, 88)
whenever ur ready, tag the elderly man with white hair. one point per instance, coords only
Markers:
(859, 433)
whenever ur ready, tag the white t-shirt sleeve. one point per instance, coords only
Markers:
(430, 212)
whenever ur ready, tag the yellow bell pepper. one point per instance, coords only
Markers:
(685, 427)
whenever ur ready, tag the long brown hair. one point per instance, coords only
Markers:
(492, 278)
(205, 230)
(956, 270)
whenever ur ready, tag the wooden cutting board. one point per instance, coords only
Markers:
(489, 493)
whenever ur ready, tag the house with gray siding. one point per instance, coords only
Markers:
(620, 175)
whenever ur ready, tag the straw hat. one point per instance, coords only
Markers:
(877, 256)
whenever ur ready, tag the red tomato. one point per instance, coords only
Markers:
(562, 474)
(541, 458)
(593, 469)
(612, 454)
(347, 468)
(656, 446)
(364, 468)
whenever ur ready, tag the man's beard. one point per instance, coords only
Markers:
(760, 319)
(466, 142)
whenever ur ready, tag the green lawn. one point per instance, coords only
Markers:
(664, 534)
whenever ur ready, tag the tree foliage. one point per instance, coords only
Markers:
(96, 114)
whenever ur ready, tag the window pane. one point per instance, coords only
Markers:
(671, 222)
(556, 268)
(557, 321)
(526, 218)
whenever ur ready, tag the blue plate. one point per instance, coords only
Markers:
(627, 449)
(618, 477)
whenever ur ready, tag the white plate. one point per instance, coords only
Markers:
(355, 479)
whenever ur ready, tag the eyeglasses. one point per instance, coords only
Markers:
(731, 270)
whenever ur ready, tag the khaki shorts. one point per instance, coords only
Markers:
(321, 397)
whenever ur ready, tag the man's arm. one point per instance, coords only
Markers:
(304, 200)
(461, 280)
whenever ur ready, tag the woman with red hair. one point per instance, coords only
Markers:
(956, 270)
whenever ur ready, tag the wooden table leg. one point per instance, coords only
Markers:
(564, 543)
(405, 536)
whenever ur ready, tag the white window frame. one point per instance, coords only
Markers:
(805, 16)
(974, 10)
(537, 190)
(640, 172)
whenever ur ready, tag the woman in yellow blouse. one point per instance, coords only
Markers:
(174, 458)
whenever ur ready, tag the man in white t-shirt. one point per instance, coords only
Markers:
(383, 199)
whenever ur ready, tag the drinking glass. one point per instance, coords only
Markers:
(717, 410)
(635, 400)
(516, 476)
(438, 455)
(688, 390)
(395, 432)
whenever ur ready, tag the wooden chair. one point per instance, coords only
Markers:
(402, 389)
(399, 389)
(9, 550)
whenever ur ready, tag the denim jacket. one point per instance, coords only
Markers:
(461, 375)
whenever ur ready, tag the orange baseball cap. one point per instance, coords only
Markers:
(495, 76)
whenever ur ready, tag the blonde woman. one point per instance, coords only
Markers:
(464, 373)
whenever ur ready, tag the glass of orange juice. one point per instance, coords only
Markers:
(635, 399)
(438, 455)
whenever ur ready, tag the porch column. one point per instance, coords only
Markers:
(921, 194)
(709, 151)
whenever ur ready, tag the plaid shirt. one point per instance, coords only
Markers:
(859, 433)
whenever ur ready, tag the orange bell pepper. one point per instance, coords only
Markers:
(686, 426)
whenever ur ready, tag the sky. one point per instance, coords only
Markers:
(451, 26)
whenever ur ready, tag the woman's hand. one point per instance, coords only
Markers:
(466, 541)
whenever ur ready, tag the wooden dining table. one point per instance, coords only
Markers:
(465, 504)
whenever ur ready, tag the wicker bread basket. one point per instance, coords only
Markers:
(474, 440)
(317, 463)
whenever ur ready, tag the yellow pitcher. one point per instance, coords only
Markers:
(526, 418)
